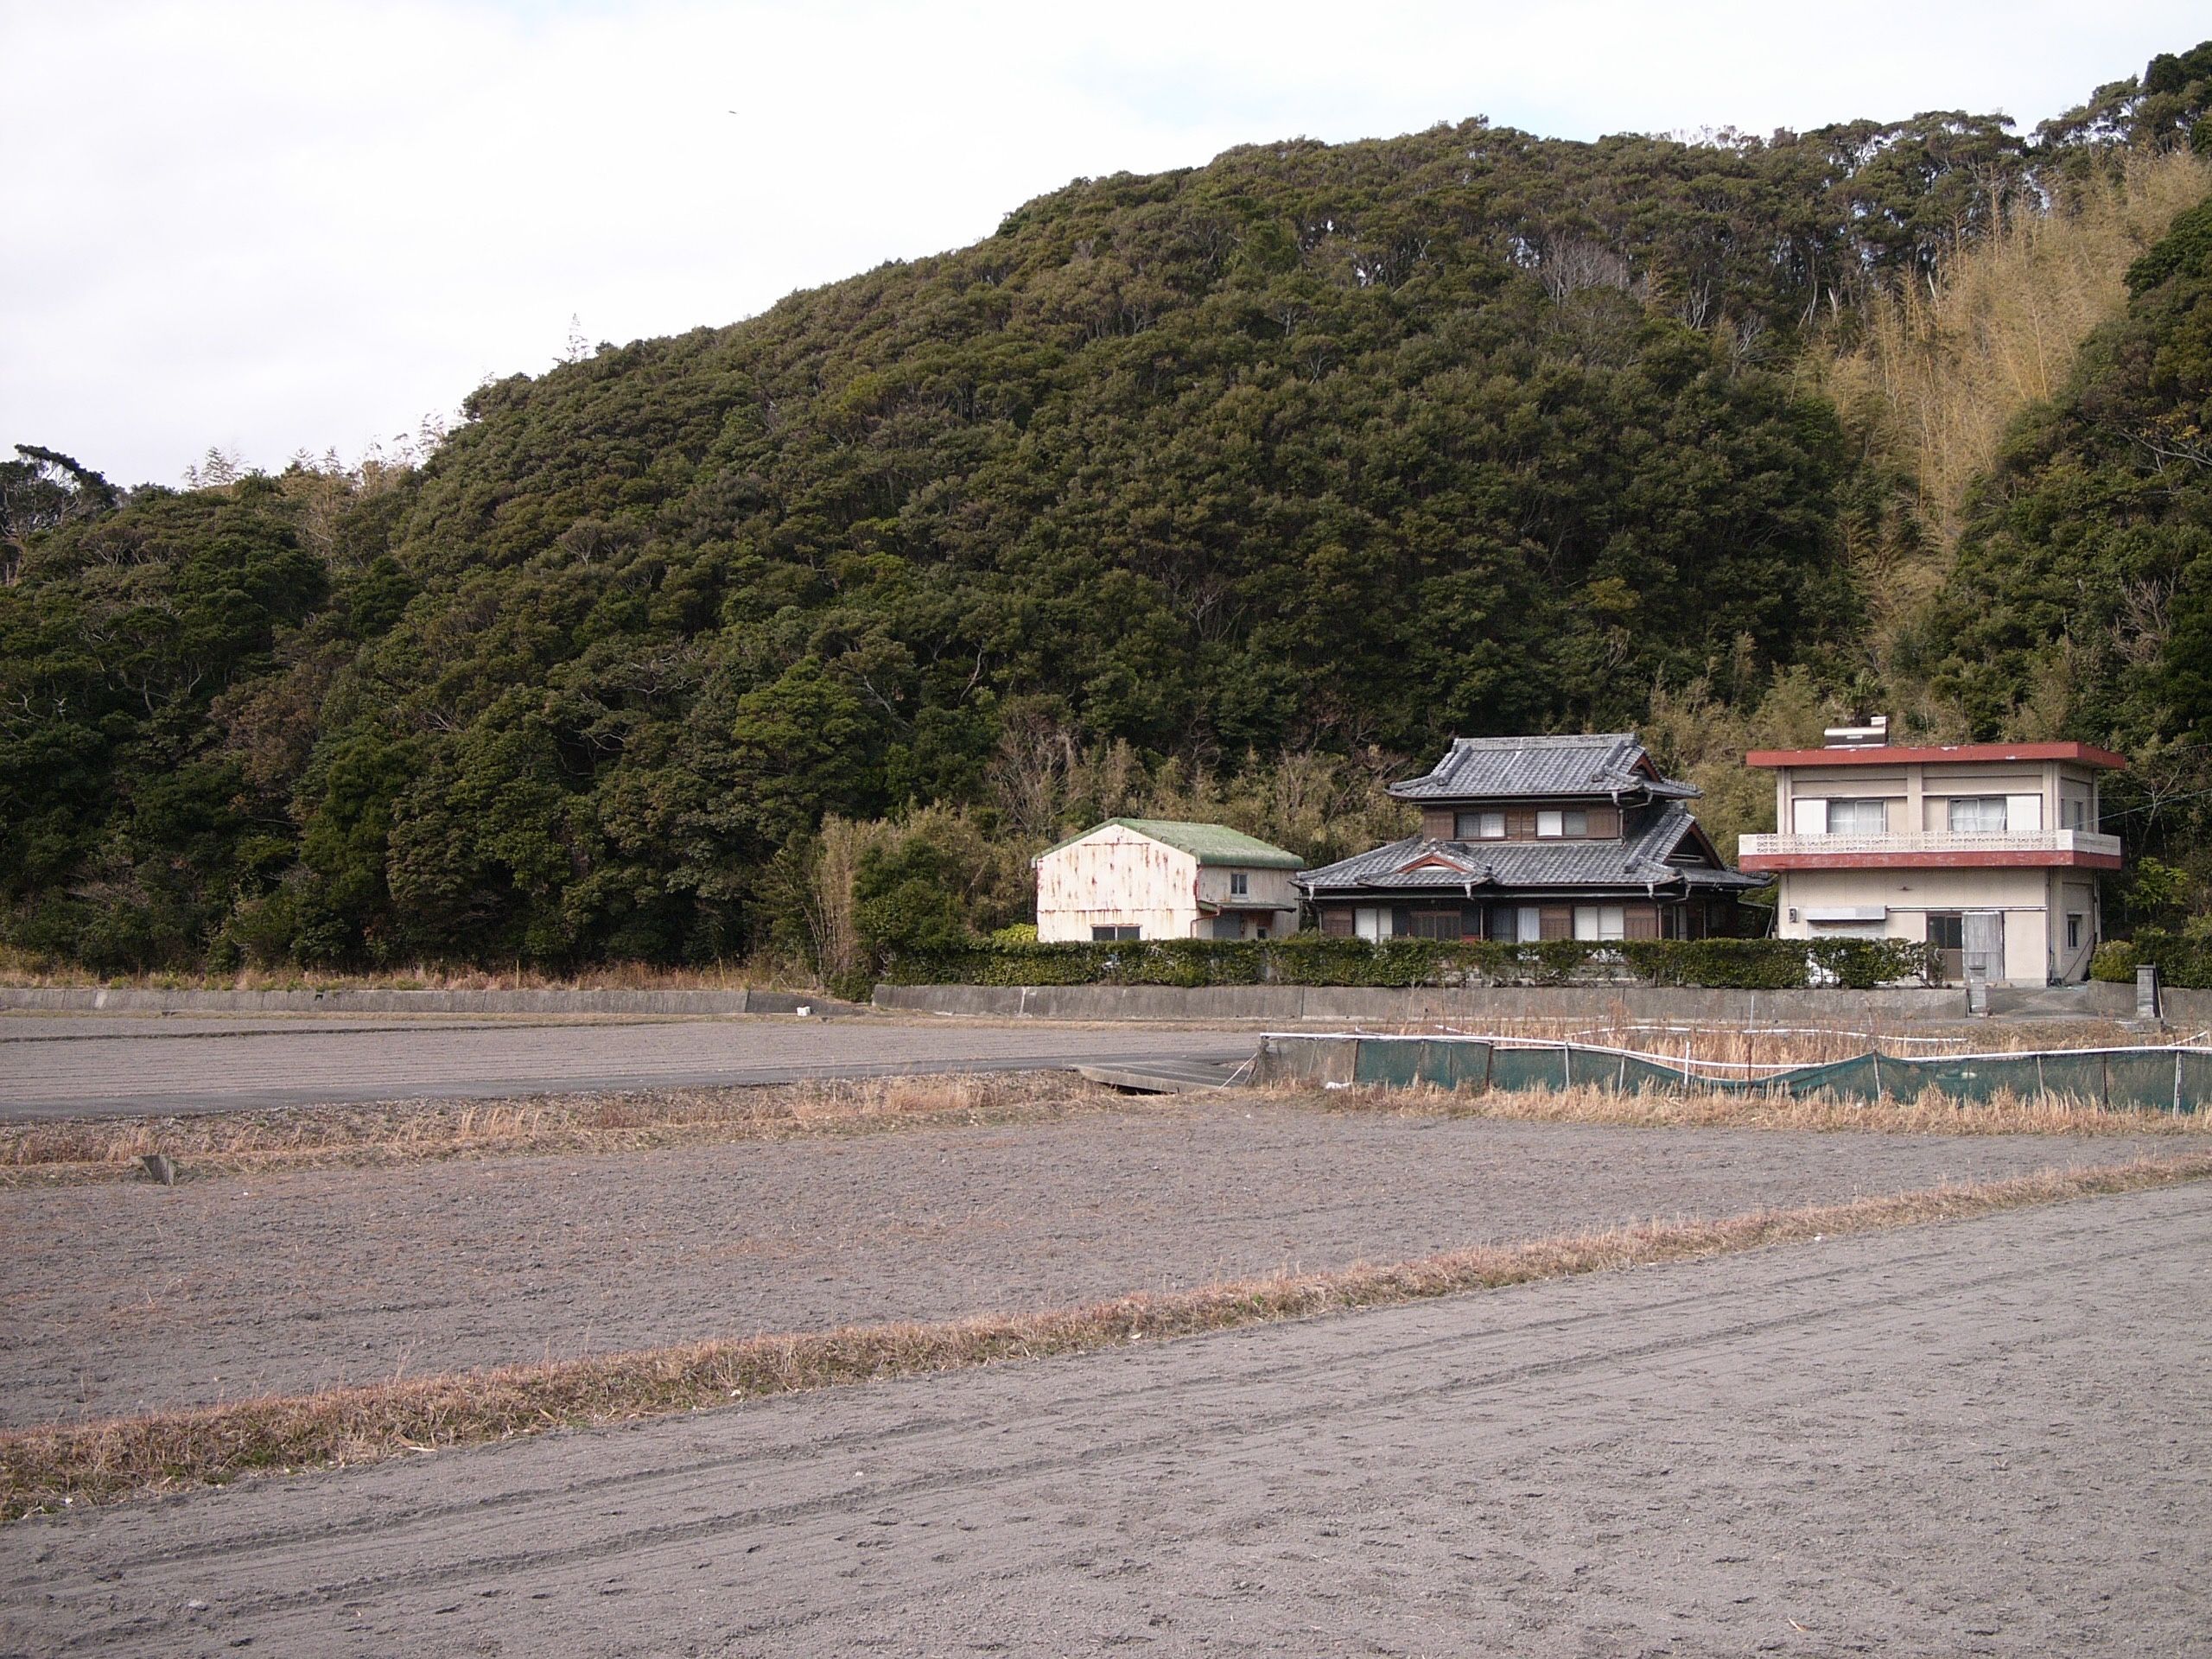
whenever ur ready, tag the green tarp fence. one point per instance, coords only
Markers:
(2169, 1079)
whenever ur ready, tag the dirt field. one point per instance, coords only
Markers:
(121, 1298)
(76, 1065)
(1972, 1438)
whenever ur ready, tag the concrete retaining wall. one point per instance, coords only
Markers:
(58, 999)
(1359, 1004)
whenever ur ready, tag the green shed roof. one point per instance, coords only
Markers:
(1209, 843)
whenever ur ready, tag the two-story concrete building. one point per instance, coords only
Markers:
(1165, 879)
(1990, 851)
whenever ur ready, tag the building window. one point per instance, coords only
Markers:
(1259, 933)
(1371, 922)
(1336, 924)
(1112, 935)
(1228, 927)
(1858, 817)
(1600, 922)
(2073, 932)
(1436, 924)
(1978, 815)
(1481, 826)
(1563, 825)
(1239, 884)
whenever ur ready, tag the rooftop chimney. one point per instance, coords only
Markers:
(1872, 735)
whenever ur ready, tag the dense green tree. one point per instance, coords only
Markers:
(1314, 448)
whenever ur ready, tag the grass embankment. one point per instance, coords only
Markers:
(74, 1151)
(1927, 1112)
(66, 1464)
(71, 1150)
(19, 970)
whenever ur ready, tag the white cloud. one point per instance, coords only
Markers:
(268, 226)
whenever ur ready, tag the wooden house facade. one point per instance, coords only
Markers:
(1529, 838)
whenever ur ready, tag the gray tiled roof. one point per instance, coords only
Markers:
(1498, 768)
(1638, 860)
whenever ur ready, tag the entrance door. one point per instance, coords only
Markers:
(1985, 944)
(1947, 931)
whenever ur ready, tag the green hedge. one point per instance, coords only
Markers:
(2182, 961)
(1311, 959)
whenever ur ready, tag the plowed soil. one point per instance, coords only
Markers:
(1974, 1439)
(122, 1298)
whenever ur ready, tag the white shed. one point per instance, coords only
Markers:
(1162, 879)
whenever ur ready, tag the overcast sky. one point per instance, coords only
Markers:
(269, 225)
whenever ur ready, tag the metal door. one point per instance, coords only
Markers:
(1984, 944)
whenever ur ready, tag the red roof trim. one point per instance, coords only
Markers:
(1760, 862)
(2086, 754)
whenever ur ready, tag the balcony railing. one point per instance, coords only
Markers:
(2054, 842)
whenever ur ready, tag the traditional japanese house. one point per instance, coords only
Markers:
(1538, 838)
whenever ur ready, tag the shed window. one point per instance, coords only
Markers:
(1239, 884)
(1482, 826)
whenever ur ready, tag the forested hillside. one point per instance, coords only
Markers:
(1222, 490)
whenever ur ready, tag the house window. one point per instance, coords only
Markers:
(1239, 884)
(1371, 922)
(2073, 932)
(1481, 826)
(1858, 818)
(1110, 935)
(1259, 933)
(1228, 927)
(1553, 922)
(1978, 815)
(1436, 924)
(1600, 922)
(1562, 825)
(1336, 924)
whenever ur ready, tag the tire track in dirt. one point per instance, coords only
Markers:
(638, 1483)
(459, 1532)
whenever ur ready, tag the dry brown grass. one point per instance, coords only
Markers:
(20, 969)
(1938, 375)
(1807, 1042)
(1928, 1113)
(48, 1467)
(106, 1149)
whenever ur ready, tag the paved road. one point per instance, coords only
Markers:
(1975, 1439)
(99, 1065)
